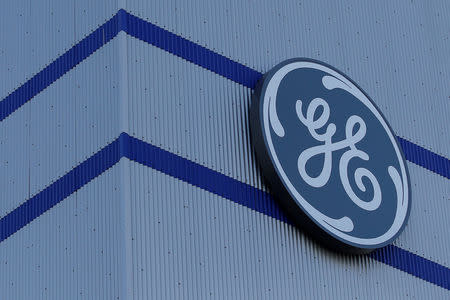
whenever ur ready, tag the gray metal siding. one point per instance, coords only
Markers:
(135, 233)
(35, 33)
(189, 243)
(71, 120)
(189, 115)
(396, 51)
(73, 251)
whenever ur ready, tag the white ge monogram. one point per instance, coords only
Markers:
(345, 223)
(328, 147)
(369, 205)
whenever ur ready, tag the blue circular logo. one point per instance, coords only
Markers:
(330, 155)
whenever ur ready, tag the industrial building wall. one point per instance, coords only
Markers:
(126, 169)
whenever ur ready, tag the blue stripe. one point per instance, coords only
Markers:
(185, 49)
(251, 197)
(172, 164)
(59, 190)
(190, 51)
(425, 158)
(248, 77)
(201, 177)
(58, 67)
(413, 264)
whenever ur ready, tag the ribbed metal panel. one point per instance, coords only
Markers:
(196, 114)
(190, 111)
(60, 127)
(39, 143)
(190, 244)
(397, 51)
(427, 231)
(73, 251)
(14, 177)
(35, 33)
(135, 233)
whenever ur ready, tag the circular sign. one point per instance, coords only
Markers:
(330, 156)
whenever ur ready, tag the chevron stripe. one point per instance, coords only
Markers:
(171, 164)
(174, 44)
(201, 177)
(60, 66)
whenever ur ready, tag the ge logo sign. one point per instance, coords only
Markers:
(330, 156)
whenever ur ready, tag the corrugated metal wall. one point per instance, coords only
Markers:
(137, 233)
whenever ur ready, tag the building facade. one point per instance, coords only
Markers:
(126, 163)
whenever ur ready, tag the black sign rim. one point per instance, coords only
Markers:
(297, 213)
